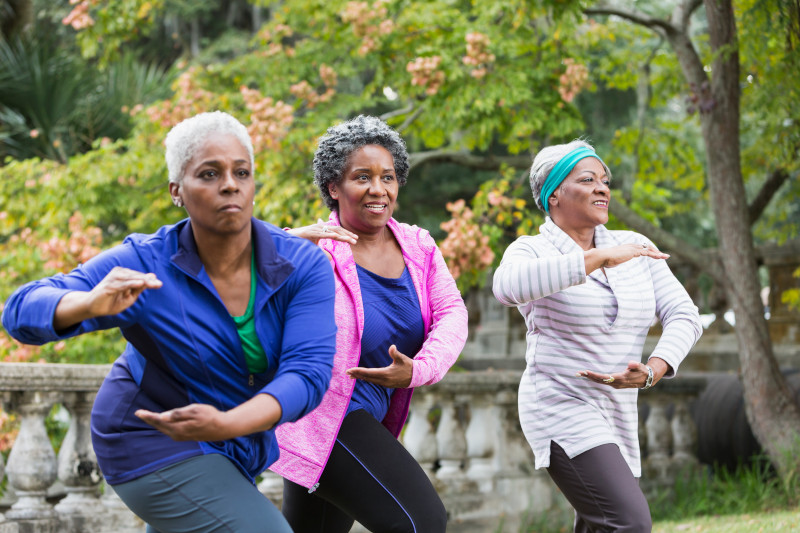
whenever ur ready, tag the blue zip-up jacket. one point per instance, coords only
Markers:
(183, 346)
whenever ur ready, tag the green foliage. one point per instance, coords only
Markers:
(752, 488)
(55, 104)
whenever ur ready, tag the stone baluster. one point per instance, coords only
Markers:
(481, 433)
(659, 436)
(684, 435)
(418, 436)
(77, 463)
(32, 462)
(452, 445)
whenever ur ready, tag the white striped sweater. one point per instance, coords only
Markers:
(597, 322)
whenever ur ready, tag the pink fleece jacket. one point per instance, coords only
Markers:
(305, 445)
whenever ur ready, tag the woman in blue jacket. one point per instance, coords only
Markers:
(230, 330)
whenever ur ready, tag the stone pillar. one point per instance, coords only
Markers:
(418, 437)
(659, 436)
(77, 464)
(684, 435)
(481, 433)
(452, 445)
(32, 461)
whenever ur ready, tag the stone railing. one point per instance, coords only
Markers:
(36, 475)
(464, 431)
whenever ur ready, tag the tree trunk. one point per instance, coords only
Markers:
(771, 411)
(773, 415)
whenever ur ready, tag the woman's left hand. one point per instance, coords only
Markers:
(322, 230)
(395, 376)
(633, 377)
(200, 422)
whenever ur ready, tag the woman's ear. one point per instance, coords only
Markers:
(175, 193)
(333, 191)
(552, 201)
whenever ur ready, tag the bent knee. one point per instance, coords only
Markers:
(637, 521)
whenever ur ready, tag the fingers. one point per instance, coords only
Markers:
(336, 233)
(396, 355)
(633, 377)
(649, 250)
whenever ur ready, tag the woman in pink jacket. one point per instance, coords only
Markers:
(401, 324)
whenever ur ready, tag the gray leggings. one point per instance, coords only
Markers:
(602, 490)
(204, 494)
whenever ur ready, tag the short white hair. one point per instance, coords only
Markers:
(546, 159)
(187, 136)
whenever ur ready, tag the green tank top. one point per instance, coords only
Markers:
(254, 354)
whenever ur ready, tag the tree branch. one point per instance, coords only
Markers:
(397, 112)
(768, 190)
(637, 17)
(466, 159)
(703, 260)
(684, 12)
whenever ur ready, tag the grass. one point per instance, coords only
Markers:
(750, 499)
(765, 522)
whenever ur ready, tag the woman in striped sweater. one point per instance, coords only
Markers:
(589, 296)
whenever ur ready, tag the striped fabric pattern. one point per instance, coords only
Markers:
(597, 322)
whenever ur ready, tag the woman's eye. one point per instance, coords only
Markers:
(388, 177)
(243, 173)
(208, 174)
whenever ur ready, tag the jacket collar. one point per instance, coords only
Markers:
(272, 267)
(565, 244)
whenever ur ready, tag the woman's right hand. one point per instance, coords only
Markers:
(117, 291)
(322, 230)
(616, 255)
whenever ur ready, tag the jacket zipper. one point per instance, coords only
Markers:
(251, 380)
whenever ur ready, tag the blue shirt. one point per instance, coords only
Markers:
(391, 316)
(183, 346)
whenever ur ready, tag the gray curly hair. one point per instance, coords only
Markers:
(340, 141)
(187, 136)
(546, 159)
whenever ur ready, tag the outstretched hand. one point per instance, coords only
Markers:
(633, 377)
(395, 376)
(119, 290)
(322, 230)
(116, 292)
(200, 422)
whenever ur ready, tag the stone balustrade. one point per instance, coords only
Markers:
(464, 431)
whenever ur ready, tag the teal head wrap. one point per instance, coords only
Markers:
(561, 170)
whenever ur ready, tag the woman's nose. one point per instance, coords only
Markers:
(376, 187)
(229, 182)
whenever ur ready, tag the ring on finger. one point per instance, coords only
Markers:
(644, 245)
(609, 379)
(325, 229)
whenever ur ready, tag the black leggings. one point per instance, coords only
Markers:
(371, 478)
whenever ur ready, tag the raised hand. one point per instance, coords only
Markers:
(322, 230)
(117, 291)
(616, 255)
(395, 376)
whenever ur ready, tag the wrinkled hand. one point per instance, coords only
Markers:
(199, 422)
(395, 376)
(322, 230)
(625, 252)
(633, 377)
(119, 290)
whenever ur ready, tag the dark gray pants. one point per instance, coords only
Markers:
(202, 494)
(601, 488)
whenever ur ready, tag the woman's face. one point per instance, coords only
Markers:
(581, 201)
(368, 189)
(217, 187)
